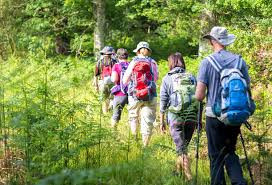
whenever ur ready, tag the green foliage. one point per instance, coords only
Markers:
(50, 116)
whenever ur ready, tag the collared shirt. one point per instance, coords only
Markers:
(209, 76)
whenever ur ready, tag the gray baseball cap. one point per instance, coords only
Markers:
(221, 35)
(107, 50)
(140, 45)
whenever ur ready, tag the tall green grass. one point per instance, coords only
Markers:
(53, 130)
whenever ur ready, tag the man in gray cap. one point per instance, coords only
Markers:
(221, 138)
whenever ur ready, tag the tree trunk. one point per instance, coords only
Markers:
(99, 31)
(62, 45)
(208, 20)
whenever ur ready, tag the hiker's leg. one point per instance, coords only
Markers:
(183, 164)
(101, 88)
(133, 113)
(116, 113)
(105, 93)
(234, 169)
(148, 117)
(188, 133)
(216, 138)
(118, 104)
(181, 135)
(232, 163)
(105, 105)
(176, 132)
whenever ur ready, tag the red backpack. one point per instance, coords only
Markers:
(106, 71)
(144, 87)
(106, 67)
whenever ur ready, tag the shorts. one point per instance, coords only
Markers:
(145, 110)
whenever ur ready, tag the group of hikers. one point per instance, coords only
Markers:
(222, 78)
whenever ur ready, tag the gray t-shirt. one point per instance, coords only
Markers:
(209, 76)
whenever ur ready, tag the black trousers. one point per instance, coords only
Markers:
(221, 148)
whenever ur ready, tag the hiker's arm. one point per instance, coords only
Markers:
(155, 69)
(164, 101)
(95, 82)
(96, 75)
(114, 75)
(200, 91)
(128, 73)
(164, 95)
(244, 71)
(97, 70)
(162, 125)
(202, 80)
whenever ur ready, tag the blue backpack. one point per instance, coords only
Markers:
(234, 104)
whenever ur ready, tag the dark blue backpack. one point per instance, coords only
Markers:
(234, 104)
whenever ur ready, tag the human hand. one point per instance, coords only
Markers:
(163, 128)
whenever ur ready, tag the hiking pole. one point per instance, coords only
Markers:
(247, 161)
(199, 119)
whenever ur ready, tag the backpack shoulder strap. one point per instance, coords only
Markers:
(151, 67)
(176, 75)
(174, 82)
(239, 63)
(123, 65)
(101, 64)
(104, 63)
(113, 61)
(192, 77)
(214, 63)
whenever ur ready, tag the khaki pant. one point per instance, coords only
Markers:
(105, 91)
(143, 110)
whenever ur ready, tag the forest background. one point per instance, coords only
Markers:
(52, 130)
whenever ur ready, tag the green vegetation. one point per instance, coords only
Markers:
(52, 130)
